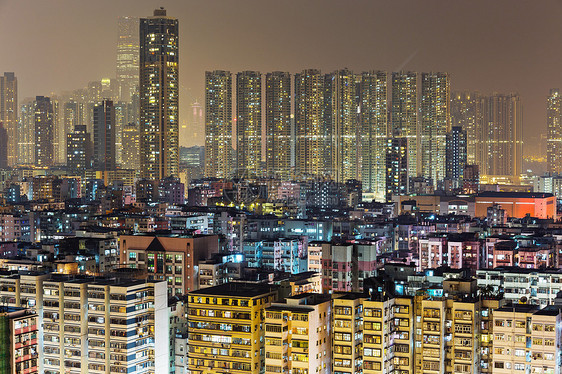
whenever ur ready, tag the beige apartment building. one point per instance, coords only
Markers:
(297, 335)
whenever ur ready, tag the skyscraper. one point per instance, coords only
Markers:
(123, 116)
(78, 149)
(435, 123)
(9, 114)
(3, 147)
(404, 116)
(554, 132)
(341, 112)
(26, 134)
(503, 138)
(127, 56)
(466, 111)
(456, 154)
(190, 131)
(159, 96)
(130, 141)
(278, 124)
(374, 133)
(396, 167)
(248, 123)
(310, 129)
(72, 116)
(59, 132)
(44, 132)
(104, 136)
(218, 124)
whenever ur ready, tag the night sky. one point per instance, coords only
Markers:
(500, 45)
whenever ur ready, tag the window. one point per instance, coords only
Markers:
(342, 336)
(370, 312)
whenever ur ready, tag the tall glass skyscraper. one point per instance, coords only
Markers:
(127, 56)
(159, 96)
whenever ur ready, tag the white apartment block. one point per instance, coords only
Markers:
(95, 325)
(538, 287)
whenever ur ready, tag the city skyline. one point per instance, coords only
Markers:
(494, 54)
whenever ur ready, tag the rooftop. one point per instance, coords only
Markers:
(237, 289)
(551, 310)
(523, 195)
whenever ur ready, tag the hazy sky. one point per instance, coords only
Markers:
(488, 45)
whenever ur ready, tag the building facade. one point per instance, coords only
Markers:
(9, 115)
(105, 136)
(404, 116)
(435, 124)
(226, 330)
(278, 120)
(159, 96)
(44, 131)
(554, 132)
(218, 124)
(310, 129)
(248, 123)
(374, 133)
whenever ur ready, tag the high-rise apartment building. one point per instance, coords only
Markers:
(248, 124)
(3, 147)
(123, 116)
(78, 149)
(554, 132)
(59, 131)
(104, 136)
(72, 115)
(298, 335)
(9, 114)
(218, 124)
(278, 124)
(503, 138)
(396, 167)
(130, 151)
(374, 133)
(19, 351)
(404, 116)
(44, 131)
(127, 56)
(159, 96)
(466, 112)
(310, 129)
(26, 134)
(455, 153)
(340, 97)
(89, 325)
(526, 339)
(435, 123)
(226, 330)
